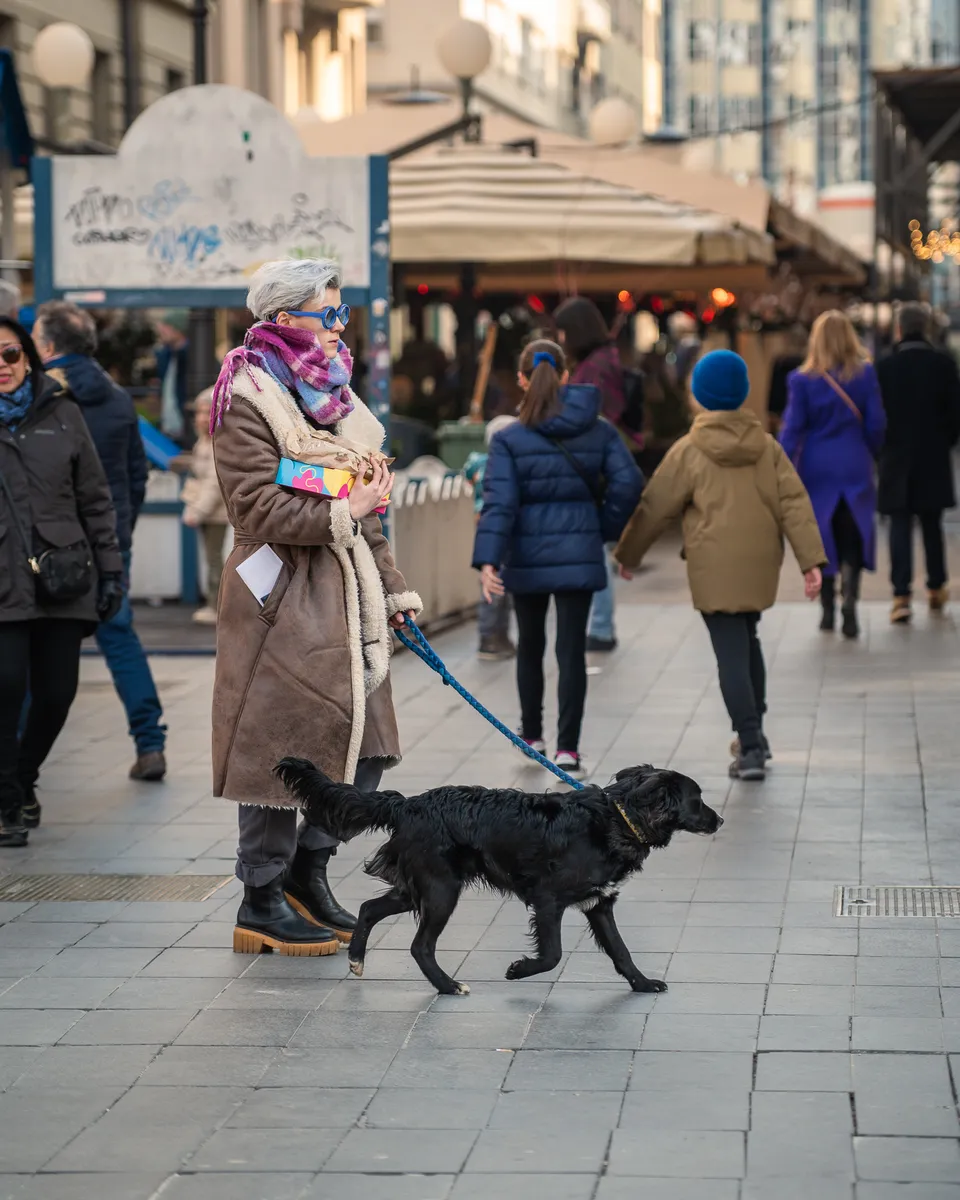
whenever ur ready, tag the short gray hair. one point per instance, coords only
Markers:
(289, 283)
(9, 299)
(68, 328)
(913, 320)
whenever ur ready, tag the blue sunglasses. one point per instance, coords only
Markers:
(328, 316)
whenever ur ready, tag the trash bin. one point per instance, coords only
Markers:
(457, 439)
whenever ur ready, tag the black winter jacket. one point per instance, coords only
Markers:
(921, 394)
(61, 496)
(112, 421)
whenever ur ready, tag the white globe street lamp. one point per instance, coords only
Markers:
(63, 56)
(613, 122)
(465, 51)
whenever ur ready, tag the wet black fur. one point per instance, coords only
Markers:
(552, 851)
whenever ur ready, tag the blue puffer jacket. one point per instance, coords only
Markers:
(540, 525)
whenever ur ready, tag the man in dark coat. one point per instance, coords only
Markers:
(66, 338)
(921, 395)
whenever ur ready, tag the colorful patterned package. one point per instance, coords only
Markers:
(321, 481)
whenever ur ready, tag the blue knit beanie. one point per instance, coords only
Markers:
(720, 381)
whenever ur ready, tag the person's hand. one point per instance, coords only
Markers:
(490, 583)
(365, 497)
(625, 573)
(397, 620)
(812, 583)
(182, 463)
(109, 596)
(190, 519)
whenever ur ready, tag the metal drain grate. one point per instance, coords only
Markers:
(863, 901)
(22, 888)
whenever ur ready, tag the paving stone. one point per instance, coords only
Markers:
(523, 1186)
(667, 1153)
(904, 1094)
(712, 998)
(655, 1070)
(809, 1000)
(576, 1070)
(804, 1187)
(350, 1068)
(38, 992)
(814, 969)
(270, 1150)
(803, 1072)
(804, 1033)
(242, 1027)
(237, 1186)
(392, 1151)
(95, 962)
(209, 1066)
(791, 1130)
(93, 1186)
(685, 1109)
(679, 1032)
(511, 1151)
(896, 1001)
(351, 1031)
(32, 1134)
(140, 1027)
(572, 1111)
(908, 1160)
(98, 1066)
(908, 1191)
(325, 1108)
(119, 935)
(448, 1068)
(422, 1108)
(561, 1031)
(36, 1027)
(360, 1186)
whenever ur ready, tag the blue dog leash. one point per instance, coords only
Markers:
(424, 651)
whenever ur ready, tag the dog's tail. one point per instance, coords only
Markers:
(340, 808)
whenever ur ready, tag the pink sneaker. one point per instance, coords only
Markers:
(537, 744)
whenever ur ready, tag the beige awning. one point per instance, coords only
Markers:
(498, 207)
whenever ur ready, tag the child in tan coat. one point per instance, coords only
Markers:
(738, 496)
(203, 507)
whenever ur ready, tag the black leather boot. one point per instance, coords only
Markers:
(851, 594)
(30, 812)
(828, 604)
(265, 921)
(308, 890)
(13, 832)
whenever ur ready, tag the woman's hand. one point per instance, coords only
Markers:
(398, 618)
(365, 497)
(490, 583)
(625, 573)
(812, 583)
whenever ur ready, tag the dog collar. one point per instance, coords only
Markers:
(630, 825)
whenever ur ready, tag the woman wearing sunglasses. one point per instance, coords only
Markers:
(303, 655)
(60, 567)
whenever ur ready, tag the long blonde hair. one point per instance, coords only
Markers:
(834, 347)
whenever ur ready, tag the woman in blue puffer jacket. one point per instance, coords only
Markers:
(559, 484)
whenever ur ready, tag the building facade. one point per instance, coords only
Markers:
(553, 60)
(781, 89)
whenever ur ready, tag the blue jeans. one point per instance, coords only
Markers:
(601, 612)
(128, 665)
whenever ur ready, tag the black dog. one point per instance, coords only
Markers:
(552, 851)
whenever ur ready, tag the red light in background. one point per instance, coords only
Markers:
(708, 315)
(423, 288)
(656, 304)
(535, 303)
(624, 296)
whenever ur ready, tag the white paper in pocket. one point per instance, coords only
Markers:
(260, 572)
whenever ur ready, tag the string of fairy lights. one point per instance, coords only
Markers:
(939, 244)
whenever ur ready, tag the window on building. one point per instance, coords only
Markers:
(374, 28)
(101, 97)
(739, 113)
(174, 80)
(703, 111)
(56, 114)
(703, 41)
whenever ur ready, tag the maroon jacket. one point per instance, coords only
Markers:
(602, 369)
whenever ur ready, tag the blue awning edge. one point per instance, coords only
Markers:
(15, 138)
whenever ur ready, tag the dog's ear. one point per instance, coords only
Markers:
(634, 776)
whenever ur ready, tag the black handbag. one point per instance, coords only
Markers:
(61, 573)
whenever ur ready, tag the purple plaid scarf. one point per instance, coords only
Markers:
(294, 359)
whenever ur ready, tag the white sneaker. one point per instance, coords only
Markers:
(569, 761)
(537, 744)
(205, 615)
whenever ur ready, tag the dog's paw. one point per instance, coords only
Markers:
(649, 985)
(517, 969)
(356, 966)
(462, 989)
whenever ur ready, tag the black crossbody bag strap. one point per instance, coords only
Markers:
(28, 549)
(592, 484)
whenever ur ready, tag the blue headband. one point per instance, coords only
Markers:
(543, 356)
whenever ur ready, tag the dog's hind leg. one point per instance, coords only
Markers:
(372, 911)
(436, 907)
(607, 936)
(545, 927)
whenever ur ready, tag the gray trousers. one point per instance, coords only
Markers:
(269, 836)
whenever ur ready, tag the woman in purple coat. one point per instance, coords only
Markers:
(832, 431)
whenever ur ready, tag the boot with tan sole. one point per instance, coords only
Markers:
(937, 598)
(308, 891)
(266, 922)
(901, 612)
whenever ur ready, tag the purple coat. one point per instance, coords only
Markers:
(834, 452)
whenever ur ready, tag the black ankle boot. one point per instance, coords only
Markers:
(851, 594)
(308, 890)
(30, 812)
(13, 833)
(265, 921)
(828, 604)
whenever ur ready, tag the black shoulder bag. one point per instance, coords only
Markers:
(597, 487)
(61, 573)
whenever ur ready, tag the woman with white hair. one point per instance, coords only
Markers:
(303, 647)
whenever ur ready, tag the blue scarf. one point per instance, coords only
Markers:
(14, 405)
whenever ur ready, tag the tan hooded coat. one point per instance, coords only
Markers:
(738, 495)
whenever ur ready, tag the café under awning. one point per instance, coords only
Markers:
(527, 222)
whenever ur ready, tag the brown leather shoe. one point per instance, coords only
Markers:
(150, 767)
(937, 599)
(900, 613)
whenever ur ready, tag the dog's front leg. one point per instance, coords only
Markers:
(545, 927)
(607, 936)
(390, 904)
